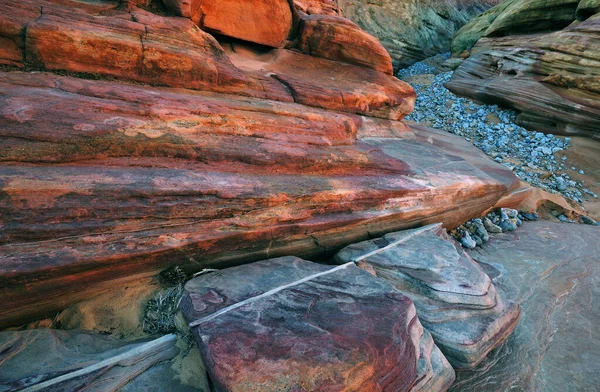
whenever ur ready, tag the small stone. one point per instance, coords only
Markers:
(588, 221)
(491, 227)
(468, 242)
(477, 239)
(530, 216)
(504, 225)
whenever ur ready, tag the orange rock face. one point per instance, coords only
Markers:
(265, 22)
(336, 38)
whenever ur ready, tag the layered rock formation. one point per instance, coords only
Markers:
(413, 30)
(551, 270)
(57, 360)
(553, 79)
(289, 324)
(455, 299)
(109, 179)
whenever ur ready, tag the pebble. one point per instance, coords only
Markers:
(468, 242)
(476, 232)
(531, 155)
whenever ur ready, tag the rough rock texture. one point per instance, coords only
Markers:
(103, 180)
(322, 7)
(455, 299)
(413, 30)
(172, 51)
(517, 17)
(339, 39)
(289, 324)
(552, 79)
(551, 270)
(31, 357)
(265, 22)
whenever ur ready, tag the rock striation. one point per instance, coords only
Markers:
(290, 324)
(239, 154)
(552, 79)
(413, 30)
(455, 299)
(551, 270)
(59, 360)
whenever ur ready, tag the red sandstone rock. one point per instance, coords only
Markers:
(336, 38)
(140, 46)
(331, 329)
(265, 22)
(104, 180)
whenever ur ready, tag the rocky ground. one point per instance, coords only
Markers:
(564, 165)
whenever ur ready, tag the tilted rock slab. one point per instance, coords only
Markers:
(553, 80)
(103, 181)
(290, 324)
(57, 360)
(455, 299)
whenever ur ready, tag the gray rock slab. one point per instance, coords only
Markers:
(553, 271)
(455, 299)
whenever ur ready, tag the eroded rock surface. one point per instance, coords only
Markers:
(551, 270)
(103, 180)
(288, 324)
(455, 299)
(32, 357)
(413, 30)
(339, 39)
(139, 46)
(552, 79)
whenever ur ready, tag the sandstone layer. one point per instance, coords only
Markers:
(103, 180)
(551, 270)
(289, 324)
(413, 30)
(135, 45)
(455, 300)
(553, 80)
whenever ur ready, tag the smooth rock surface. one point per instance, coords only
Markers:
(265, 22)
(552, 79)
(455, 299)
(289, 324)
(103, 181)
(336, 38)
(413, 30)
(518, 17)
(35, 356)
(551, 270)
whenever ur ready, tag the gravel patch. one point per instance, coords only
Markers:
(534, 157)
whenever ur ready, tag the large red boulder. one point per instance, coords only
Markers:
(336, 38)
(265, 22)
